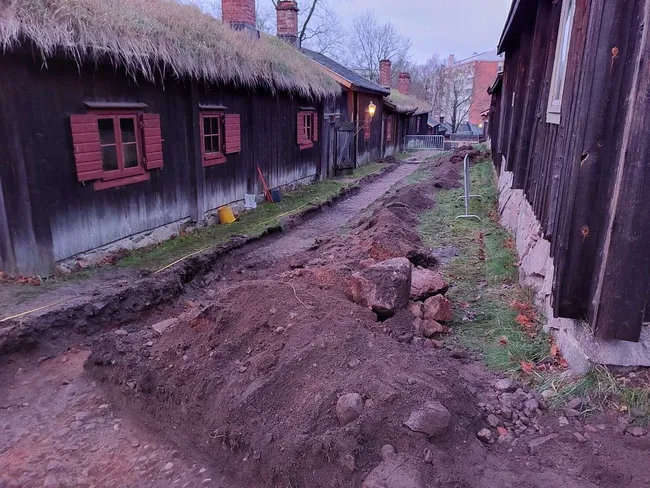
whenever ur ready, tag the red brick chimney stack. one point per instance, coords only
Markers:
(404, 85)
(240, 14)
(287, 12)
(385, 73)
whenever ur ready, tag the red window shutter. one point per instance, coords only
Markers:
(315, 128)
(153, 152)
(233, 133)
(87, 150)
(301, 129)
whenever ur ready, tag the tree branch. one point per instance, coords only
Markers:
(307, 20)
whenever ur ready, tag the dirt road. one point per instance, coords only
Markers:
(331, 221)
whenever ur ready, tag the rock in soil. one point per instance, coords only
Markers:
(575, 404)
(394, 473)
(161, 327)
(486, 436)
(348, 408)
(426, 283)
(384, 287)
(636, 431)
(506, 385)
(416, 309)
(493, 421)
(432, 419)
(387, 452)
(535, 445)
(429, 328)
(438, 308)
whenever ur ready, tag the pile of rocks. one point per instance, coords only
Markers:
(393, 285)
(513, 414)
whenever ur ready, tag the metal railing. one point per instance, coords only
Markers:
(424, 142)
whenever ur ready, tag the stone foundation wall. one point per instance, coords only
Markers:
(574, 338)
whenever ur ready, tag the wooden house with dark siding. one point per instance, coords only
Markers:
(122, 117)
(570, 122)
(352, 134)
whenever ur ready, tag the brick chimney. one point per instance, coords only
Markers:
(385, 73)
(442, 119)
(404, 85)
(240, 14)
(287, 12)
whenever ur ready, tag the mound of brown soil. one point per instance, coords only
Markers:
(254, 378)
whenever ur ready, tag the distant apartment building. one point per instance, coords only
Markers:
(482, 69)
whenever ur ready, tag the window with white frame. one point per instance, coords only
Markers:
(558, 79)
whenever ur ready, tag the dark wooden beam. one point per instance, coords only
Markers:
(623, 277)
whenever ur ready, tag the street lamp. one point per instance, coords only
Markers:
(372, 108)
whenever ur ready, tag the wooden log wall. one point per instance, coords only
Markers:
(587, 178)
(46, 215)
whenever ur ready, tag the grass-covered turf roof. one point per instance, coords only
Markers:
(407, 104)
(151, 37)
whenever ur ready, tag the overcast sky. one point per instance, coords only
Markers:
(459, 27)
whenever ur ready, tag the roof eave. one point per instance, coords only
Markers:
(511, 16)
(369, 90)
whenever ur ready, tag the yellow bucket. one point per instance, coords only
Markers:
(226, 216)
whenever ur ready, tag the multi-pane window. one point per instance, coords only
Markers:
(212, 138)
(307, 128)
(561, 63)
(119, 140)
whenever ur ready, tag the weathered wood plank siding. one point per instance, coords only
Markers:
(369, 149)
(569, 172)
(269, 135)
(46, 215)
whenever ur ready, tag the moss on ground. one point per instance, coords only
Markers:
(483, 276)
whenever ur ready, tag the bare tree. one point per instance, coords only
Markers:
(370, 42)
(451, 93)
(423, 77)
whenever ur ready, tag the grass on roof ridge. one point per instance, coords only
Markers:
(152, 37)
(407, 103)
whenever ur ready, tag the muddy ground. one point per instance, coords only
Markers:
(239, 384)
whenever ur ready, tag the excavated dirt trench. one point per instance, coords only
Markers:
(239, 384)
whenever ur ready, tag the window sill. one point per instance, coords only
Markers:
(213, 160)
(306, 146)
(553, 118)
(128, 180)
(121, 175)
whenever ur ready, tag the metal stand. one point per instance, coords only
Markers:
(468, 193)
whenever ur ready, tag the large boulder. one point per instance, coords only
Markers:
(438, 308)
(426, 283)
(385, 287)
